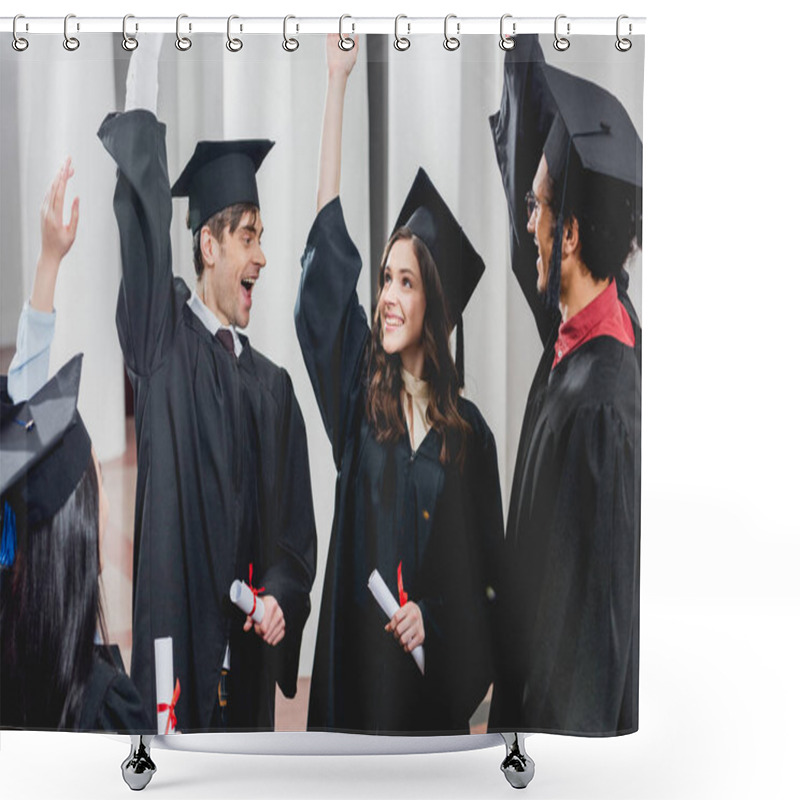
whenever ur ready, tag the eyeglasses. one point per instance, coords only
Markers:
(532, 204)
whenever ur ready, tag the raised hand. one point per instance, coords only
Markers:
(57, 238)
(340, 61)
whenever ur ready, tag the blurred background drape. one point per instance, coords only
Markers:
(425, 107)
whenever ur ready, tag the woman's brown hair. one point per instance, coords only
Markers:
(384, 410)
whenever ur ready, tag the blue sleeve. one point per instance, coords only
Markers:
(31, 363)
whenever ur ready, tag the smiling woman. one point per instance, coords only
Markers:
(418, 495)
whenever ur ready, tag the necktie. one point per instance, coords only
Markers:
(226, 337)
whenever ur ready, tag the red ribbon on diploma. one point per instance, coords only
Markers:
(253, 590)
(402, 596)
(172, 721)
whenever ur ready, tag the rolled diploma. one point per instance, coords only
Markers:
(164, 679)
(242, 596)
(380, 591)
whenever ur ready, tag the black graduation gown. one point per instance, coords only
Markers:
(223, 478)
(110, 701)
(569, 599)
(392, 505)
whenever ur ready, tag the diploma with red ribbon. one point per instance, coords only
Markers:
(246, 597)
(380, 591)
(166, 695)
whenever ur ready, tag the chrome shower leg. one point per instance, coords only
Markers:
(517, 766)
(138, 768)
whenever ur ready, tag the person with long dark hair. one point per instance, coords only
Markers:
(418, 493)
(58, 672)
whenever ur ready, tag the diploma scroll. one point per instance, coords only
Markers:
(243, 597)
(164, 682)
(380, 591)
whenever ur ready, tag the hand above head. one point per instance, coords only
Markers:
(407, 626)
(57, 238)
(340, 62)
(272, 627)
(141, 86)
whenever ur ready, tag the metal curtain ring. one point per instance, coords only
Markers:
(70, 42)
(346, 42)
(401, 42)
(18, 42)
(129, 42)
(623, 45)
(233, 44)
(183, 43)
(507, 41)
(451, 42)
(289, 44)
(561, 43)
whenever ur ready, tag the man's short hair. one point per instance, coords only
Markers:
(609, 216)
(229, 218)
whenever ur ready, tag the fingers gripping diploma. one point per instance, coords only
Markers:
(272, 627)
(407, 627)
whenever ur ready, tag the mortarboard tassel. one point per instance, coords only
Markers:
(8, 544)
(460, 352)
(552, 296)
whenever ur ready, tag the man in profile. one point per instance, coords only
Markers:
(223, 487)
(570, 624)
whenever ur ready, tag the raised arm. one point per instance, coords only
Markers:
(29, 368)
(143, 208)
(340, 65)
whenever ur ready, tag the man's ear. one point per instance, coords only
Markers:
(571, 242)
(209, 246)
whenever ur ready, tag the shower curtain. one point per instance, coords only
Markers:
(501, 526)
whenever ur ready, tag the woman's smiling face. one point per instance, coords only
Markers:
(401, 305)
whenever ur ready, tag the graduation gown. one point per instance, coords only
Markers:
(569, 598)
(223, 478)
(392, 505)
(110, 701)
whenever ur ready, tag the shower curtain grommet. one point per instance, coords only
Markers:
(129, 43)
(401, 43)
(623, 44)
(71, 43)
(346, 42)
(507, 40)
(19, 43)
(289, 44)
(451, 43)
(561, 43)
(233, 43)
(183, 43)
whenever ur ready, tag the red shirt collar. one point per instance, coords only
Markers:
(604, 316)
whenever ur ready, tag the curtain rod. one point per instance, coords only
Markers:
(406, 25)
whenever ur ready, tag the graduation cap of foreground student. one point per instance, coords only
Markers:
(575, 123)
(220, 174)
(44, 447)
(427, 216)
(460, 267)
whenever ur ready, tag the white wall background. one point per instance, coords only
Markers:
(720, 603)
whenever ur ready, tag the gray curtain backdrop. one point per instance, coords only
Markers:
(425, 107)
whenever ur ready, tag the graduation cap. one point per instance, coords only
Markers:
(586, 131)
(220, 174)
(427, 216)
(44, 451)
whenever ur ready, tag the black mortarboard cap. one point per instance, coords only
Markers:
(460, 267)
(595, 123)
(220, 174)
(44, 447)
(576, 124)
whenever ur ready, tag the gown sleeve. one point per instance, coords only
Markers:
(143, 207)
(331, 326)
(294, 559)
(29, 368)
(519, 130)
(459, 621)
(591, 590)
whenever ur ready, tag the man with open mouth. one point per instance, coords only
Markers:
(223, 486)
